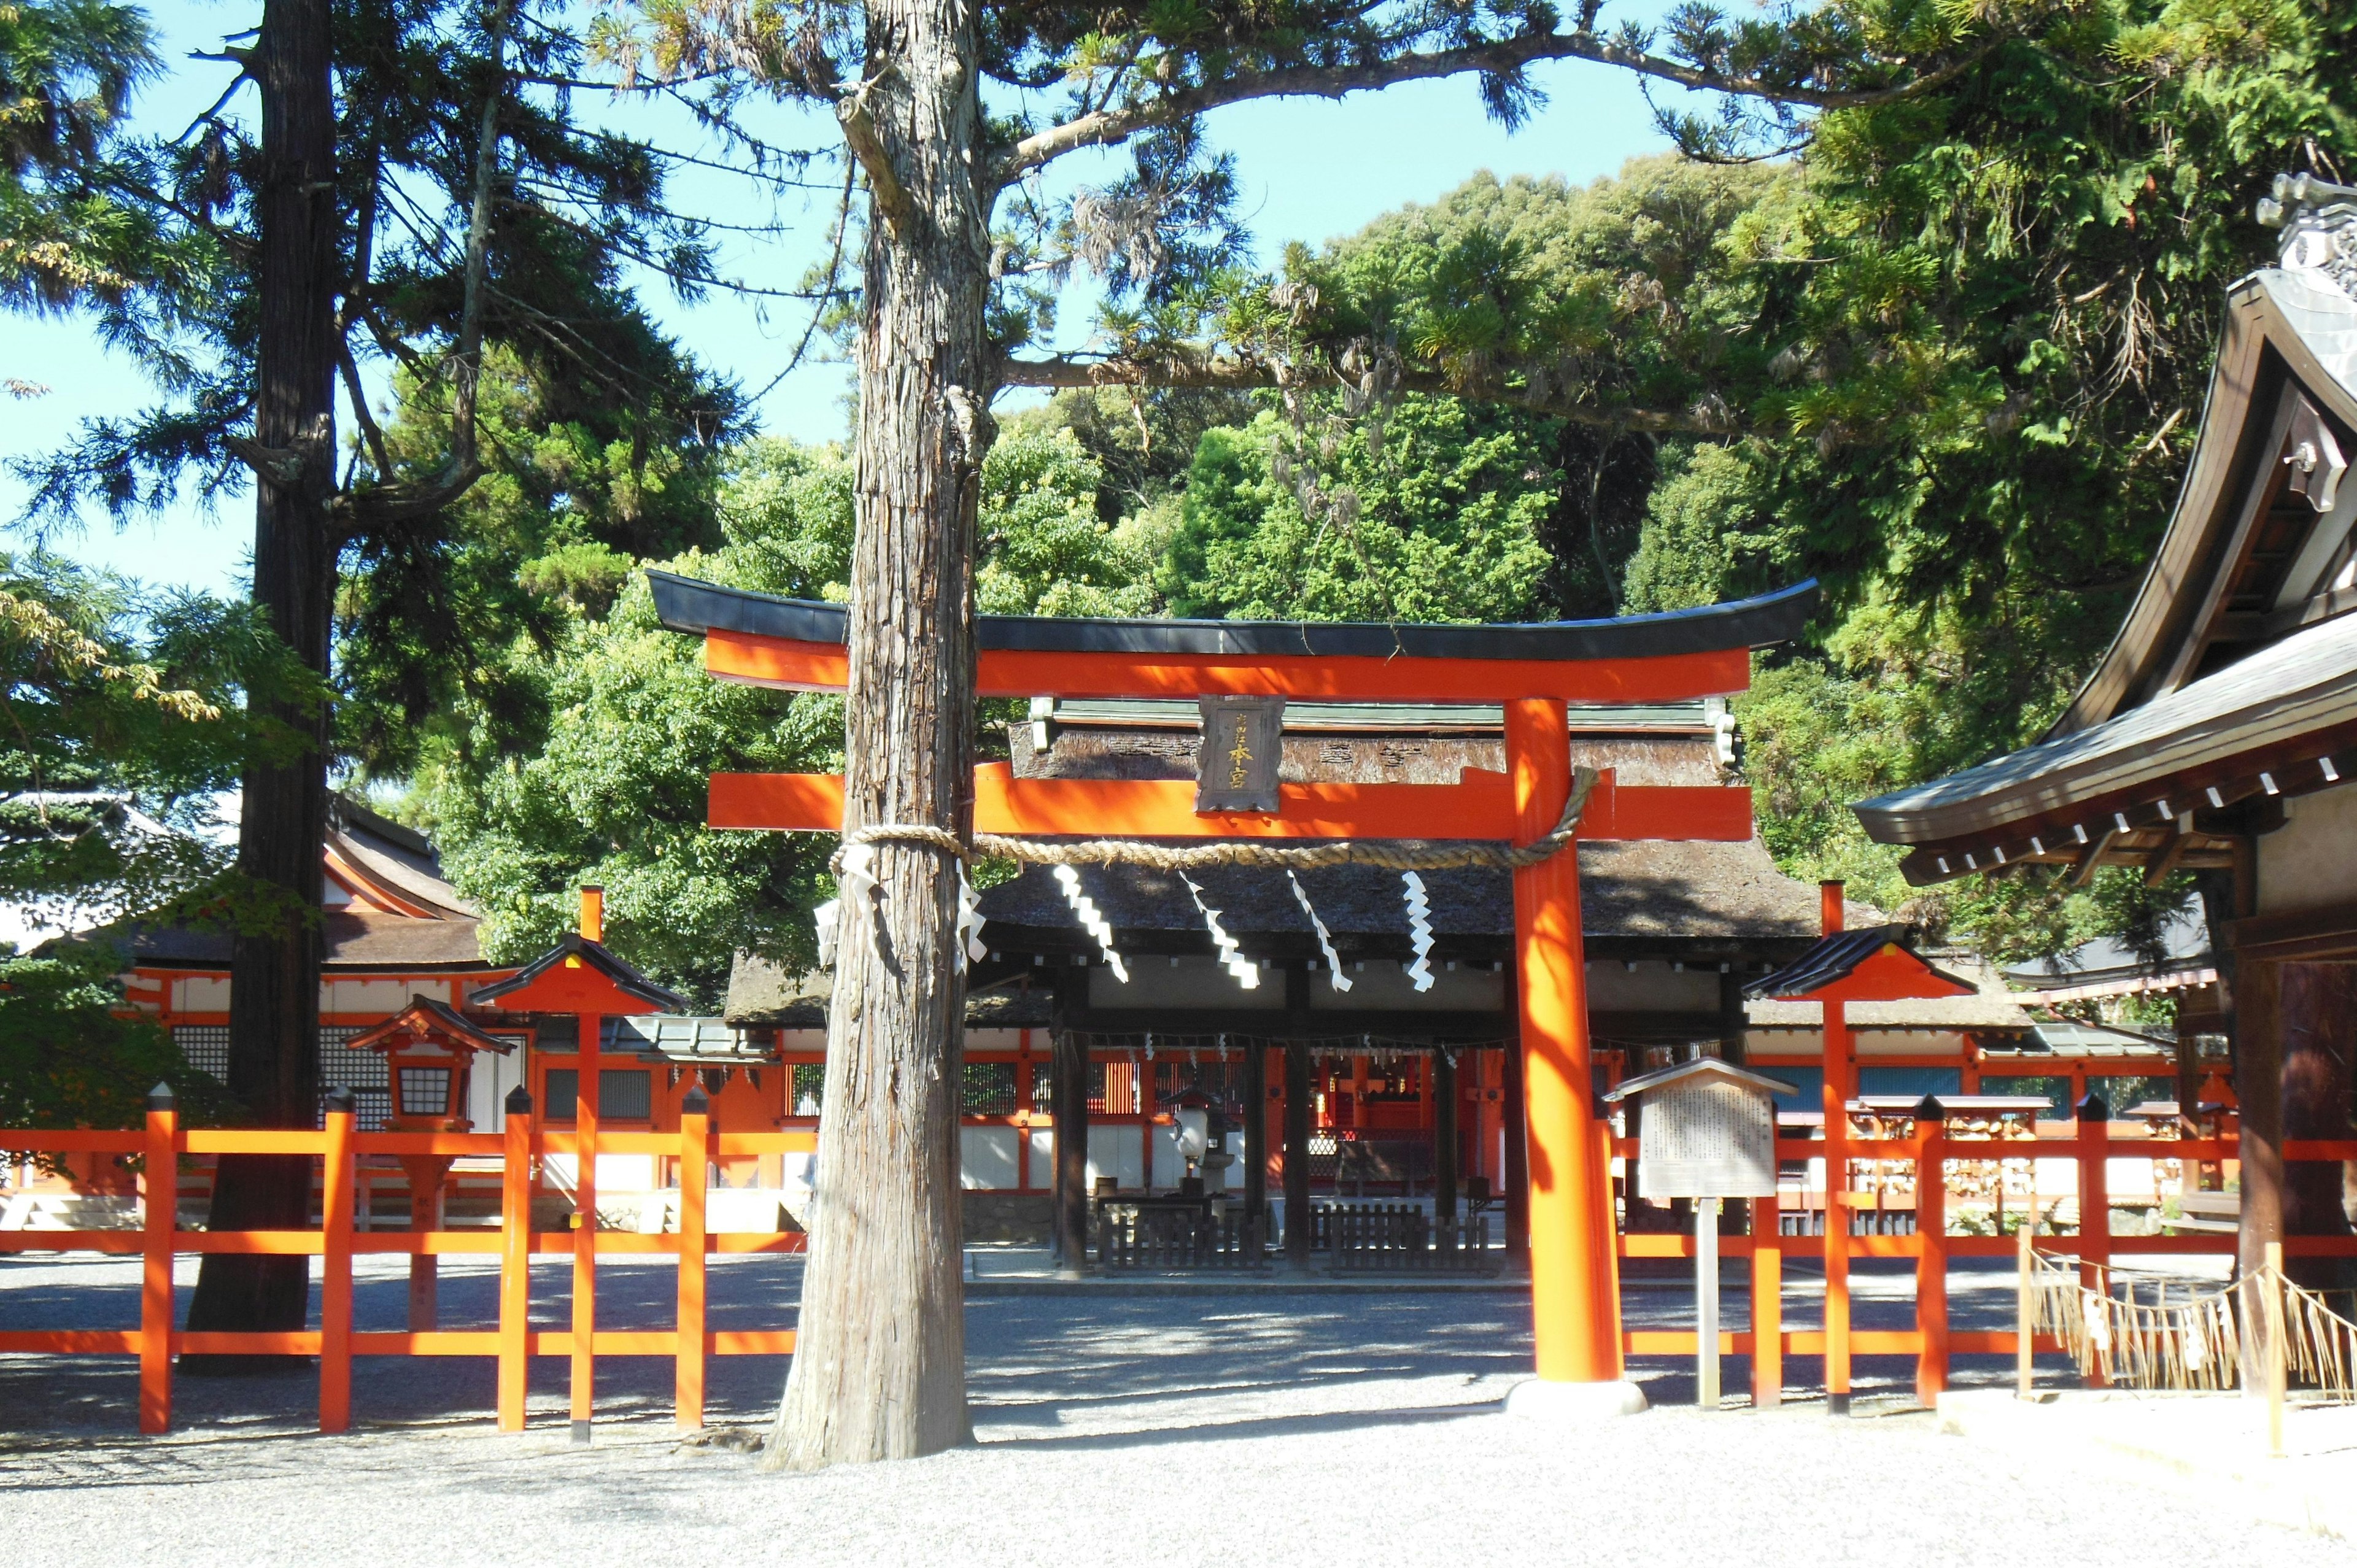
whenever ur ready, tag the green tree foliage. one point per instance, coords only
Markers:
(611, 787)
(67, 1059)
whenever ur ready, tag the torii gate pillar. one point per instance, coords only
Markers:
(1574, 1306)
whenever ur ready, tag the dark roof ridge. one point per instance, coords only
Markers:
(692, 605)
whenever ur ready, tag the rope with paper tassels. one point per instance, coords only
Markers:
(1387, 854)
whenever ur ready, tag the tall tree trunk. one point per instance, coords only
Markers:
(879, 1361)
(274, 1057)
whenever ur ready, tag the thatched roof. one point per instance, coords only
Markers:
(1658, 895)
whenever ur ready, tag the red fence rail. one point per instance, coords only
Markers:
(163, 1142)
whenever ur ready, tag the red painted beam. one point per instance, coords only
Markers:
(1008, 673)
(1480, 805)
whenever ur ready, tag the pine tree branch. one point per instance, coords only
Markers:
(1239, 373)
(1504, 57)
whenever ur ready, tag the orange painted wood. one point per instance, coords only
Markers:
(429, 1243)
(1767, 1306)
(1670, 1244)
(1681, 1342)
(1840, 1073)
(253, 1141)
(70, 1141)
(275, 1243)
(71, 1341)
(1995, 1341)
(434, 1342)
(335, 1276)
(71, 1242)
(1931, 1265)
(158, 1217)
(1004, 673)
(293, 1342)
(1862, 1342)
(478, 1146)
(1574, 1329)
(515, 1270)
(585, 1224)
(2095, 1219)
(1479, 806)
(688, 1389)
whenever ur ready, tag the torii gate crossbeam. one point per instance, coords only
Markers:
(1533, 671)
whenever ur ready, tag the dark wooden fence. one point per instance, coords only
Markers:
(1398, 1236)
(1149, 1236)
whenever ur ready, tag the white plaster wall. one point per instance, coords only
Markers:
(2311, 860)
(986, 1157)
(199, 994)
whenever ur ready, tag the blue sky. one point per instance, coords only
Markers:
(1310, 170)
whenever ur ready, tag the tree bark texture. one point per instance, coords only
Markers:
(879, 1362)
(273, 1055)
(2319, 1035)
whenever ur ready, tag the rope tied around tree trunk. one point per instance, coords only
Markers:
(1385, 853)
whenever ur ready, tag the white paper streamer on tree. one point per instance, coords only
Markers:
(1095, 924)
(1324, 940)
(829, 916)
(1419, 930)
(970, 945)
(1247, 973)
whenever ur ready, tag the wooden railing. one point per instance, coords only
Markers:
(1387, 1237)
(1146, 1235)
(1930, 1341)
(161, 1144)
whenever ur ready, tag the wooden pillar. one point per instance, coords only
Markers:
(1840, 1069)
(2093, 1129)
(1931, 1261)
(695, 1170)
(1445, 1102)
(2319, 1013)
(1767, 1306)
(515, 1259)
(159, 1219)
(1068, 1098)
(1732, 1023)
(1297, 1152)
(585, 1221)
(1256, 1135)
(1574, 1329)
(336, 1267)
(1513, 1116)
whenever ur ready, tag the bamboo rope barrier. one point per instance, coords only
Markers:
(2196, 1342)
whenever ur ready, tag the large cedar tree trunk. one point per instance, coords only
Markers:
(880, 1361)
(274, 1055)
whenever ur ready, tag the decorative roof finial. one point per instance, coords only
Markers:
(2319, 221)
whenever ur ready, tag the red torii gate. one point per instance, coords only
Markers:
(1533, 671)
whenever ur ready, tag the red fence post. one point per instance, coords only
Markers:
(694, 1154)
(1767, 1305)
(336, 1267)
(1932, 1253)
(515, 1259)
(2094, 1127)
(585, 1224)
(158, 1217)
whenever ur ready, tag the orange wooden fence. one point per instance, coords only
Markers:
(162, 1142)
(1931, 1342)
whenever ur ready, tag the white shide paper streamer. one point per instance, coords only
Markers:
(1419, 930)
(1095, 924)
(1325, 940)
(1247, 973)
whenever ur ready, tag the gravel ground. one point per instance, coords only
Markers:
(1269, 1427)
